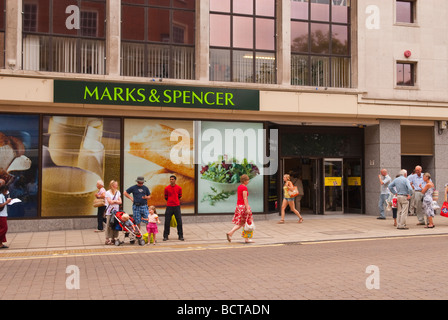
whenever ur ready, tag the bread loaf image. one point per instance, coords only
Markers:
(158, 180)
(154, 143)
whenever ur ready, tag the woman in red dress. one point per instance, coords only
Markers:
(243, 213)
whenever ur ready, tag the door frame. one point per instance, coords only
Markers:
(324, 186)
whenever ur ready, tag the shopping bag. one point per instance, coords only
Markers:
(247, 234)
(444, 210)
(248, 230)
(173, 222)
(294, 192)
(145, 237)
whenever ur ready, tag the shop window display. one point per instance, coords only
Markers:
(76, 153)
(19, 161)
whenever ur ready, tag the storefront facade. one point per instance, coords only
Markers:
(112, 90)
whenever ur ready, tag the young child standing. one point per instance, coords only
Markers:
(153, 220)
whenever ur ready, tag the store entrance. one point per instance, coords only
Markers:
(327, 185)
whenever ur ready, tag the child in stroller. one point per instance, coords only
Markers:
(122, 221)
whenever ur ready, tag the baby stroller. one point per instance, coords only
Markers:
(121, 221)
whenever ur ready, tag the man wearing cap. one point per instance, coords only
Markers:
(140, 195)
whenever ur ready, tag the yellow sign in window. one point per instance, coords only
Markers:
(333, 181)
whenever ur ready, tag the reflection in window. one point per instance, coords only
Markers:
(158, 38)
(405, 74)
(242, 41)
(405, 11)
(51, 42)
(320, 43)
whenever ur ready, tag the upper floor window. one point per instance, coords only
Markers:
(320, 43)
(158, 38)
(405, 10)
(64, 35)
(405, 74)
(2, 32)
(242, 41)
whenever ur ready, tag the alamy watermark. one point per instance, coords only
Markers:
(373, 280)
(232, 144)
(73, 279)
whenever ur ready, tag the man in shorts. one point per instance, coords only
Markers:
(140, 195)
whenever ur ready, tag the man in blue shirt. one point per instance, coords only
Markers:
(402, 188)
(417, 183)
(140, 195)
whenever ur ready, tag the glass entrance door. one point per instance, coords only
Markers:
(333, 186)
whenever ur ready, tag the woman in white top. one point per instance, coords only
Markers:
(101, 194)
(113, 201)
(3, 213)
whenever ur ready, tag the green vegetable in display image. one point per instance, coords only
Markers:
(216, 196)
(223, 171)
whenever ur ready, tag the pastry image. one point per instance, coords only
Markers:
(12, 157)
(158, 181)
(154, 143)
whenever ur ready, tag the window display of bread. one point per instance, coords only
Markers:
(155, 144)
(12, 157)
(157, 180)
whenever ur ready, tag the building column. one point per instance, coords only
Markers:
(283, 42)
(13, 35)
(113, 37)
(202, 40)
(382, 151)
(439, 175)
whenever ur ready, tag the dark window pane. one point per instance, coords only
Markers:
(299, 9)
(220, 5)
(59, 18)
(404, 12)
(299, 36)
(339, 40)
(320, 10)
(93, 14)
(160, 3)
(243, 32)
(320, 38)
(243, 6)
(219, 30)
(159, 25)
(185, 4)
(265, 29)
(133, 1)
(132, 26)
(183, 27)
(2, 15)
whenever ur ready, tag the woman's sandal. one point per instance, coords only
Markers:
(281, 222)
(228, 237)
(300, 220)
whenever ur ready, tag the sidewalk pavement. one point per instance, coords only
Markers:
(314, 228)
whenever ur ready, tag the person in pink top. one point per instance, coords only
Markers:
(173, 193)
(243, 212)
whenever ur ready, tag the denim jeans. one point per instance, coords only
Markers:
(382, 203)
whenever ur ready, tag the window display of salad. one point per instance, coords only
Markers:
(228, 171)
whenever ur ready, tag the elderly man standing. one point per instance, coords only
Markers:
(384, 182)
(417, 183)
(404, 191)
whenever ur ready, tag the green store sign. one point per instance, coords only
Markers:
(86, 92)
